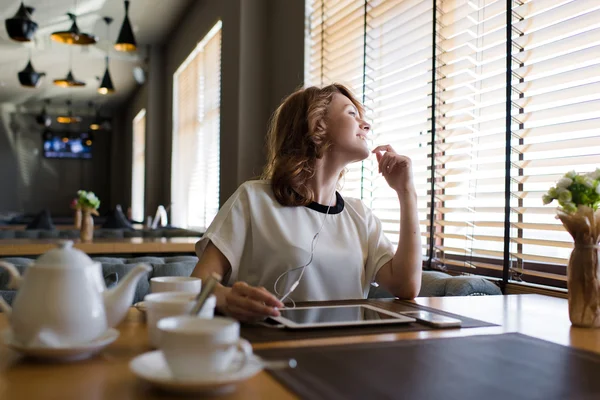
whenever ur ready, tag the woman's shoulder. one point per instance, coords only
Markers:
(253, 190)
(356, 206)
(256, 186)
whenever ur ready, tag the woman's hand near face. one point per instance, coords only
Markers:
(395, 168)
(250, 304)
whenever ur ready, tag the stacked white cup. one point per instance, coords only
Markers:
(173, 296)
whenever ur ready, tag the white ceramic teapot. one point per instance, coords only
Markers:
(63, 301)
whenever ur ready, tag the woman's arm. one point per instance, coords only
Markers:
(241, 301)
(402, 275)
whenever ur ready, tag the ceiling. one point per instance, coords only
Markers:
(152, 20)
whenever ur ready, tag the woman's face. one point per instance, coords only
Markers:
(346, 130)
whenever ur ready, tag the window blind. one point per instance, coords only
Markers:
(470, 136)
(556, 125)
(196, 132)
(138, 166)
(359, 44)
(335, 53)
(435, 84)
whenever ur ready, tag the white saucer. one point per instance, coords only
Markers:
(73, 353)
(151, 367)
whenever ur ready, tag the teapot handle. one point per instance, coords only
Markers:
(15, 280)
(15, 277)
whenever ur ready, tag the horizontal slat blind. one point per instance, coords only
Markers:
(555, 114)
(335, 50)
(556, 124)
(398, 92)
(195, 159)
(204, 185)
(470, 145)
(393, 80)
(139, 166)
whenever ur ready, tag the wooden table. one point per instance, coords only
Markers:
(107, 376)
(28, 247)
(21, 227)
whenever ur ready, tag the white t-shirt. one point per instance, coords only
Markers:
(262, 239)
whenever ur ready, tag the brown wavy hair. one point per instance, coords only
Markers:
(297, 138)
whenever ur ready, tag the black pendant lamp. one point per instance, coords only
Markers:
(43, 118)
(73, 35)
(69, 81)
(126, 40)
(29, 77)
(69, 118)
(96, 124)
(21, 27)
(106, 85)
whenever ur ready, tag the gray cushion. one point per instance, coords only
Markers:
(143, 286)
(147, 260)
(49, 234)
(7, 234)
(437, 284)
(109, 260)
(193, 259)
(108, 233)
(69, 234)
(8, 296)
(30, 234)
(173, 269)
(470, 286)
(131, 234)
(5, 276)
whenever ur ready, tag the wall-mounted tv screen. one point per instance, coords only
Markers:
(67, 145)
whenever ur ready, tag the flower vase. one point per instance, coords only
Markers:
(86, 232)
(583, 270)
(78, 218)
(583, 273)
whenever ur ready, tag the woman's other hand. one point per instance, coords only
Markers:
(249, 303)
(395, 168)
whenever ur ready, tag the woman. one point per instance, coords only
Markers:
(264, 235)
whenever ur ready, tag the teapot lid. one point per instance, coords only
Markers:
(64, 256)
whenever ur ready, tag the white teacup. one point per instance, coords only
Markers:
(195, 348)
(188, 284)
(168, 304)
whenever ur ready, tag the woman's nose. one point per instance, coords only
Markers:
(365, 126)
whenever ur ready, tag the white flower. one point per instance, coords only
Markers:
(594, 175)
(588, 182)
(547, 199)
(564, 183)
(571, 174)
(552, 192)
(565, 196)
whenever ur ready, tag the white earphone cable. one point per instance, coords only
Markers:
(303, 267)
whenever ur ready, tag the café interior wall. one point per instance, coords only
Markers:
(262, 60)
(29, 182)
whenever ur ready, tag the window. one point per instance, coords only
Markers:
(138, 167)
(487, 138)
(196, 131)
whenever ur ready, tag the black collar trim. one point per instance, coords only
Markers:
(338, 208)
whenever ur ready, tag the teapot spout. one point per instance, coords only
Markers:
(118, 300)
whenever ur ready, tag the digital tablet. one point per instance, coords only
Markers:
(347, 315)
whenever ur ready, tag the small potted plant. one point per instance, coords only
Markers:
(578, 197)
(88, 203)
